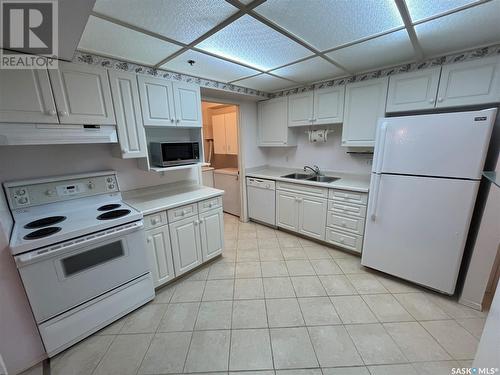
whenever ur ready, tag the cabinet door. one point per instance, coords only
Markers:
(329, 105)
(470, 82)
(219, 133)
(212, 233)
(312, 216)
(273, 122)
(186, 247)
(26, 96)
(364, 105)
(287, 210)
(231, 133)
(82, 94)
(187, 101)
(300, 109)
(414, 90)
(160, 255)
(129, 125)
(157, 101)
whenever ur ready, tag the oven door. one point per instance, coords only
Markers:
(66, 275)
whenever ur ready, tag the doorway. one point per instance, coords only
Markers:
(221, 148)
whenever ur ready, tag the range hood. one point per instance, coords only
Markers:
(47, 134)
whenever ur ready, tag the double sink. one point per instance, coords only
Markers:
(309, 177)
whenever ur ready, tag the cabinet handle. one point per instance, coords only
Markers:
(313, 119)
(341, 240)
(172, 119)
(148, 239)
(154, 221)
(431, 100)
(196, 222)
(201, 221)
(124, 150)
(440, 100)
(343, 223)
(51, 112)
(177, 120)
(63, 113)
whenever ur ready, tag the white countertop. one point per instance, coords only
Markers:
(164, 197)
(347, 181)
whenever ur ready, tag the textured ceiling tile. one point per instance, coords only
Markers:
(311, 70)
(327, 24)
(421, 9)
(103, 37)
(249, 41)
(265, 82)
(208, 67)
(390, 49)
(182, 20)
(466, 29)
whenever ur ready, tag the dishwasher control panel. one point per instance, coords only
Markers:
(261, 183)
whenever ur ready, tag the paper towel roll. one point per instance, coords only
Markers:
(318, 135)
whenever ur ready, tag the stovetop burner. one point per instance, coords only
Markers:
(108, 207)
(40, 233)
(44, 222)
(113, 214)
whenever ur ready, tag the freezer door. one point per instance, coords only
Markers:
(447, 145)
(417, 226)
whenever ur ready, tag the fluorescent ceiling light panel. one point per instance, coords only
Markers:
(265, 82)
(249, 41)
(326, 24)
(421, 9)
(466, 29)
(181, 20)
(390, 49)
(208, 67)
(106, 38)
(310, 70)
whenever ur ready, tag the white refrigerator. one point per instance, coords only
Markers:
(425, 176)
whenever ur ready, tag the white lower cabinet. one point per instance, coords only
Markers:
(186, 244)
(346, 240)
(212, 233)
(159, 254)
(287, 210)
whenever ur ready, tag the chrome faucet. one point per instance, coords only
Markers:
(315, 169)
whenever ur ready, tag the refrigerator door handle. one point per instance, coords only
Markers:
(381, 148)
(374, 200)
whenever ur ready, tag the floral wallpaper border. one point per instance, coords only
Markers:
(91, 59)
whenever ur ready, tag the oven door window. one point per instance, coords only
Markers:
(92, 258)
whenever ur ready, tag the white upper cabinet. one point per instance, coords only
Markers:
(413, 91)
(316, 107)
(129, 125)
(187, 103)
(225, 133)
(470, 82)
(82, 94)
(219, 134)
(300, 109)
(231, 133)
(26, 96)
(157, 101)
(273, 124)
(364, 105)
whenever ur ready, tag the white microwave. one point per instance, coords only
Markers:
(166, 154)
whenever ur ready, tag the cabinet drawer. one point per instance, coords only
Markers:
(155, 220)
(303, 189)
(209, 204)
(348, 196)
(351, 224)
(346, 240)
(182, 212)
(347, 209)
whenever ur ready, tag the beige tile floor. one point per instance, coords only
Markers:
(275, 303)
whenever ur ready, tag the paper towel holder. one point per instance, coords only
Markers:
(324, 131)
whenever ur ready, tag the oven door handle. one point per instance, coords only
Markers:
(65, 247)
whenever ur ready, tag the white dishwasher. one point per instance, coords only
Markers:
(261, 196)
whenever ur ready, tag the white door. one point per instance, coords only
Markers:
(26, 96)
(416, 228)
(157, 101)
(231, 126)
(212, 233)
(447, 144)
(364, 105)
(131, 134)
(273, 125)
(312, 216)
(229, 181)
(219, 134)
(187, 102)
(186, 246)
(300, 109)
(414, 90)
(329, 105)
(287, 210)
(82, 94)
(160, 255)
(470, 82)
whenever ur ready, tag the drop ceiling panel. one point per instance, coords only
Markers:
(182, 20)
(390, 49)
(421, 9)
(103, 37)
(208, 67)
(249, 41)
(327, 24)
(311, 70)
(265, 82)
(469, 28)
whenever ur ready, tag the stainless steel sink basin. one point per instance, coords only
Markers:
(297, 176)
(322, 178)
